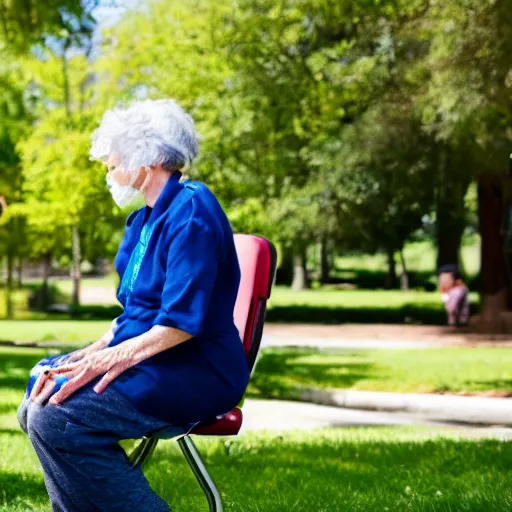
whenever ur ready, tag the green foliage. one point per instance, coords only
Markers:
(22, 27)
(353, 122)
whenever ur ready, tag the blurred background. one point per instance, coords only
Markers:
(370, 141)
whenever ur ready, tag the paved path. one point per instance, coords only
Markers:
(286, 415)
(372, 336)
(368, 344)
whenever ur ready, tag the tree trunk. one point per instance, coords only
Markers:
(450, 223)
(404, 276)
(325, 268)
(391, 278)
(284, 274)
(45, 291)
(9, 307)
(449, 238)
(77, 258)
(300, 277)
(20, 271)
(494, 285)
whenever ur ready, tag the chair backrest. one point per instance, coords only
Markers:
(257, 257)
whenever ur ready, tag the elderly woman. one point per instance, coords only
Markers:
(174, 357)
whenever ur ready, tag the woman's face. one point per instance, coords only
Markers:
(119, 175)
(446, 282)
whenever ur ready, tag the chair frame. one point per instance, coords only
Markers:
(142, 453)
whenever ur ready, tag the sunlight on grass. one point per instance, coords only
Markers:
(398, 468)
(65, 331)
(280, 371)
(389, 299)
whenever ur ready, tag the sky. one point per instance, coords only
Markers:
(108, 16)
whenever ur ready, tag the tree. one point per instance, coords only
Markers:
(21, 27)
(13, 123)
(467, 106)
(22, 31)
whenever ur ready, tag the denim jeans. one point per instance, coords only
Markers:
(77, 442)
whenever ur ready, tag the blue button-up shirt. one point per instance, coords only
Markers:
(178, 267)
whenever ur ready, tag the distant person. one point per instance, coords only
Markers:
(455, 295)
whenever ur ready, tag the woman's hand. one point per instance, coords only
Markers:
(109, 362)
(80, 353)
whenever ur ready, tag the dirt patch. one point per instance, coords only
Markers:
(483, 394)
(435, 335)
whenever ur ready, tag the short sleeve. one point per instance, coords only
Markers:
(192, 264)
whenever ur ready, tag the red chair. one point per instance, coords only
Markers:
(258, 258)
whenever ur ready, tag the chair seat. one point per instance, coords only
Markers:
(228, 425)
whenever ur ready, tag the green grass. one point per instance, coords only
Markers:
(65, 331)
(66, 285)
(280, 371)
(332, 306)
(329, 470)
(363, 299)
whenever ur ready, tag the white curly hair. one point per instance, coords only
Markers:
(147, 132)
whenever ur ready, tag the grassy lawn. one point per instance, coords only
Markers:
(66, 285)
(363, 299)
(329, 470)
(453, 370)
(66, 331)
(332, 306)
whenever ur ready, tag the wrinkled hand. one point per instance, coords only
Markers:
(42, 389)
(76, 355)
(80, 353)
(109, 362)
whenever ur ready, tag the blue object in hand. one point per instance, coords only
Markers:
(41, 366)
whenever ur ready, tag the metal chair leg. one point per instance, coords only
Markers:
(201, 473)
(143, 452)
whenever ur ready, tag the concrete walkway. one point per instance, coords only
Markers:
(473, 410)
(285, 415)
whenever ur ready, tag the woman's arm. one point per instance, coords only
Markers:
(135, 350)
(109, 362)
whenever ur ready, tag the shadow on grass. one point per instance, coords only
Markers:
(503, 387)
(15, 368)
(12, 432)
(16, 487)
(279, 372)
(378, 473)
(426, 314)
(8, 408)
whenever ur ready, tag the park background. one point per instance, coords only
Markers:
(369, 140)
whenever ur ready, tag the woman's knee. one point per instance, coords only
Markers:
(47, 423)
(22, 414)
